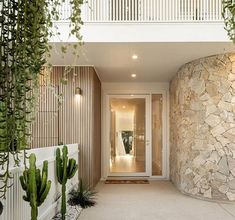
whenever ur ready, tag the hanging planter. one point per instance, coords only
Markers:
(25, 27)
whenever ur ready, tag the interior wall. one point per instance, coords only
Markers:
(113, 135)
(73, 119)
(124, 121)
(140, 131)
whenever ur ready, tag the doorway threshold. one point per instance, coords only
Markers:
(128, 178)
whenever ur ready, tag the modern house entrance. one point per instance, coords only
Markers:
(133, 151)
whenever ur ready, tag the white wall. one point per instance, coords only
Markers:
(124, 121)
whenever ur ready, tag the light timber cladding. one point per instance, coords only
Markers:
(66, 118)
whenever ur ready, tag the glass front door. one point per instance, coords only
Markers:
(136, 135)
(129, 135)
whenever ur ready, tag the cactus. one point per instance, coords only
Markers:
(66, 169)
(35, 185)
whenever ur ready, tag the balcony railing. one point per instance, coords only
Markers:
(147, 10)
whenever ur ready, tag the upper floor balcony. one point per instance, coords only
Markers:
(148, 20)
(150, 11)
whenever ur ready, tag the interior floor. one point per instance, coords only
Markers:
(159, 200)
(127, 164)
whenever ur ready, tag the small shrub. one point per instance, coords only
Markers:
(82, 196)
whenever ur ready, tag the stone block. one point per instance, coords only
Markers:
(224, 189)
(213, 120)
(223, 166)
(231, 196)
(218, 130)
(207, 194)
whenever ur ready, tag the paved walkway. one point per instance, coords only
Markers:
(158, 200)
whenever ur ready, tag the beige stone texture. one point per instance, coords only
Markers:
(202, 118)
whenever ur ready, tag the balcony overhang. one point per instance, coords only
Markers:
(146, 32)
(164, 34)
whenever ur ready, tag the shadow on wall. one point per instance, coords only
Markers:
(203, 128)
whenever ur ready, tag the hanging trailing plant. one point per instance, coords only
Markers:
(24, 40)
(228, 14)
(25, 29)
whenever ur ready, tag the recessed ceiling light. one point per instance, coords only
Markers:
(132, 95)
(134, 57)
(133, 75)
(123, 106)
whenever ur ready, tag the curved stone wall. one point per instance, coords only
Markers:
(203, 128)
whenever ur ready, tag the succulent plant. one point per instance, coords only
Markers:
(35, 184)
(82, 196)
(66, 169)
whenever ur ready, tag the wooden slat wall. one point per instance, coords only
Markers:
(76, 120)
(45, 126)
(96, 129)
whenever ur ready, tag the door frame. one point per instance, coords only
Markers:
(106, 93)
(147, 134)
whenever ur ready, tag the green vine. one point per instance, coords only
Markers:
(23, 45)
(25, 29)
(228, 14)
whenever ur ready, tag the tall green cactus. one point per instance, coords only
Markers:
(66, 169)
(35, 185)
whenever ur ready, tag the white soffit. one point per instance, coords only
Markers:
(157, 62)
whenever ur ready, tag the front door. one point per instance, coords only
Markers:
(130, 135)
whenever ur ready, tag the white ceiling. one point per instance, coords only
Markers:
(157, 62)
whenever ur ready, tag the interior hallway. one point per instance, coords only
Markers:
(158, 200)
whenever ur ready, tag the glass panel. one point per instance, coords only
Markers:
(156, 135)
(127, 135)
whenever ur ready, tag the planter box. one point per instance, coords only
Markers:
(15, 208)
